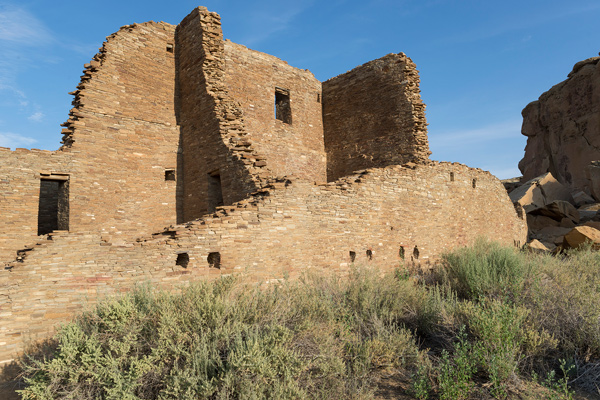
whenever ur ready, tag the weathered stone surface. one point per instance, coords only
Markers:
(539, 247)
(552, 234)
(563, 129)
(511, 183)
(592, 174)
(567, 223)
(593, 224)
(557, 210)
(586, 215)
(581, 198)
(537, 222)
(539, 191)
(366, 126)
(283, 230)
(580, 235)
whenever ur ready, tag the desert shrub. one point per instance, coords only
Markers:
(563, 304)
(455, 371)
(486, 269)
(321, 337)
(484, 321)
(498, 330)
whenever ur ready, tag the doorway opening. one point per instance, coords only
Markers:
(53, 206)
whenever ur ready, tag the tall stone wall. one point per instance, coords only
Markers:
(124, 135)
(373, 116)
(221, 163)
(20, 201)
(380, 217)
(291, 148)
(563, 128)
(120, 141)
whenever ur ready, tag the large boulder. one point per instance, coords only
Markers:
(511, 183)
(563, 130)
(558, 210)
(580, 235)
(551, 234)
(540, 247)
(537, 222)
(581, 198)
(539, 191)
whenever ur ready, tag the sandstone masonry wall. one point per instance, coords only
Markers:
(221, 165)
(294, 148)
(563, 128)
(384, 216)
(373, 117)
(120, 139)
(123, 134)
(20, 181)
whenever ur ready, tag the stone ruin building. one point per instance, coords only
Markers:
(252, 166)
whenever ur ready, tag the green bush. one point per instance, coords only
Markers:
(486, 269)
(564, 302)
(318, 338)
(455, 372)
(486, 320)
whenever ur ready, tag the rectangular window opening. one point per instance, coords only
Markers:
(283, 108)
(215, 192)
(170, 175)
(170, 47)
(53, 205)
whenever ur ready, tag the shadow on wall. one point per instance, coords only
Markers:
(11, 373)
(177, 105)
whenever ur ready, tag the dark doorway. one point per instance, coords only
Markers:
(215, 192)
(53, 207)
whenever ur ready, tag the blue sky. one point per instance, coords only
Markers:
(481, 62)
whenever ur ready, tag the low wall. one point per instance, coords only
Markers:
(382, 217)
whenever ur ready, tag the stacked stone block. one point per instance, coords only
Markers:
(374, 117)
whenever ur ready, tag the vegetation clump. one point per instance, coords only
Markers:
(486, 322)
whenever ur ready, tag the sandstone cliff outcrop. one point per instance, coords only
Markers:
(563, 130)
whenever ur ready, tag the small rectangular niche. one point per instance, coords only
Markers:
(170, 47)
(283, 108)
(170, 175)
(183, 259)
(53, 204)
(214, 260)
(215, 191)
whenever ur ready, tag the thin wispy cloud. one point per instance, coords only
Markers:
(17, 25)
(491, 29)
(13, 140)
(36, 117)
(487, 133)
(267, 21)
(21, 35)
